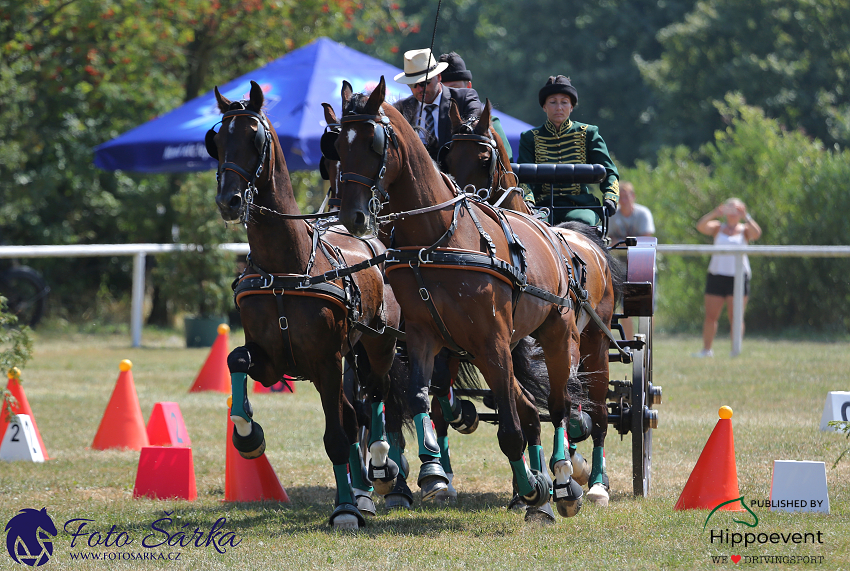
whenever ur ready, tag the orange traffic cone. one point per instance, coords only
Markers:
(165, 473)
(287, 385)
(22, 407)
(714, 479)
(214, 375)
(122, 425)
(249, 480)
(166, 426)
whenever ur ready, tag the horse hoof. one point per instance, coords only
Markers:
(346, 523)
(449, 495)
(251, 446)
(468, 421)
(383, 478)
(542, 515)
(569, 508)
(432, 486)
(581, 471)
(365, 503)
(517, 503)
(397, 502)
(598, 495)
(347, 517)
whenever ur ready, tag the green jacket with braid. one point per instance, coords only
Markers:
(572, 143)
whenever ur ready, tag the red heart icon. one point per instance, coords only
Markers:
(735, 558)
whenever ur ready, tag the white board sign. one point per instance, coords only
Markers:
(20, 441)
(837, 407)
(799, 487)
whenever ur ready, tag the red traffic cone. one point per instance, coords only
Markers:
(214, 375)
(249, 480)
(165, 473)
(166, 426)
(22, 407)
(714, 479)
(122, 425)
(287, 385)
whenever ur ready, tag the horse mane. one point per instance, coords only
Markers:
(618, 272)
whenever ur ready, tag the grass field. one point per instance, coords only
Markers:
(776, 389)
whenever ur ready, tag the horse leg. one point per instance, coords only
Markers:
(560, 350)
(596, 363)
(340, 432)
(248, 437)
(422, 349)
(529, 419)
(445, 409)
(400, 497)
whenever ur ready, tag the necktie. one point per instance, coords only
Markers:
(429, 119)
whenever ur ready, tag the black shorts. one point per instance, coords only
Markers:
(724, 286)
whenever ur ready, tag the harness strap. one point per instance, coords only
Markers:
(435, 315)
(283, 323)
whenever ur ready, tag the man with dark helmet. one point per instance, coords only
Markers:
(561, 140)
(457, 76)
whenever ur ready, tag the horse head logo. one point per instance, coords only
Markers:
(28, 537)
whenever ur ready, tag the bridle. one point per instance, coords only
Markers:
(383, 134)
(262, 143)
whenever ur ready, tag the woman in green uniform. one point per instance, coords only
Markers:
(562, 141)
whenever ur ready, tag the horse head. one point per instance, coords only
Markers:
(29, 535)
(242, 146)
(366, 162)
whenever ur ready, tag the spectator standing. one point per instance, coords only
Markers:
(738, 229)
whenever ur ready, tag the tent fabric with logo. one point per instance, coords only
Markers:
(294, 85)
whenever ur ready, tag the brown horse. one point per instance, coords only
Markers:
(477, 157)
(300, 311)
(468, 277)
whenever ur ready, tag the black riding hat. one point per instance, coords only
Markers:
(457, 69)
(555, 84)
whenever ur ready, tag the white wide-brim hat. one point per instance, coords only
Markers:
(417, 65)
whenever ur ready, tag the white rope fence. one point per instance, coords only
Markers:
(140, 251)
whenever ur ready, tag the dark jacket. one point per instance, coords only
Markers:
(468, 105)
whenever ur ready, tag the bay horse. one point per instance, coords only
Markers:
(468, 277)
(477, 156)
(301, 307)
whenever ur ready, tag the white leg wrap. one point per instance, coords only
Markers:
(243, 427)
(563, 469)
(598, 495)
(379, 450)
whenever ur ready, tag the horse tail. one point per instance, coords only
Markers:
(530, 371)
(618, 271)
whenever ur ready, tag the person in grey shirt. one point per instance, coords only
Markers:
(631, 219)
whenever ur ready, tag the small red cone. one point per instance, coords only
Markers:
(165, 473)
(714, 479)
(122, 425)
(22, 407)
(249, 480)
(166, 426)
(285, 386)
(214, 375)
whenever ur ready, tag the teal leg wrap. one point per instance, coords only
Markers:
(356, 470)
(598, 466)
(558, 452)
(445, 460)
(343, 486)
(396, 452)
(377, 432)
(426, 436)
(535, 458)
(449, 412)
(238, 390)
(522, 477)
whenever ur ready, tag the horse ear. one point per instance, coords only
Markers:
(330, 114)
(454, 115)
(376, 98)
(223, 102)
(347, 92)
(483, 127)
(256, 98)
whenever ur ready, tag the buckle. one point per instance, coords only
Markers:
(421, 259)
(284, 323)
(423, 293)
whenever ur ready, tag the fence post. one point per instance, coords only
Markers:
(738, 305)
(138, 298)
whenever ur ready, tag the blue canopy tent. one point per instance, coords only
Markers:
(295, 86)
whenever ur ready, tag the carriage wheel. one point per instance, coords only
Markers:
(25, 291)
(641, 410)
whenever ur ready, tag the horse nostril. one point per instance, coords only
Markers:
(235, 202)
(360, 219)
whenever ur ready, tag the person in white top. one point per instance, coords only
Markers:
(738, 229)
